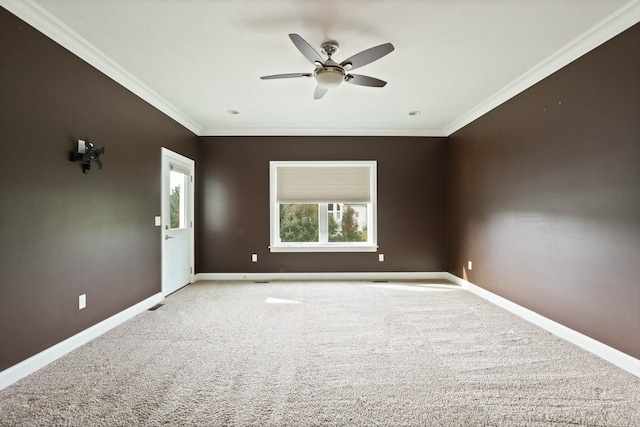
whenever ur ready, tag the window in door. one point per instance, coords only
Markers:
(177, 199)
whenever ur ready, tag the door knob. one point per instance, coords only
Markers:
(167, 237)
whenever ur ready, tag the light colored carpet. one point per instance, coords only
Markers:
(325, 354)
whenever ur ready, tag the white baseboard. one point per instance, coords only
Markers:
(324, 276)
(610, 354)
(32, 364)
(42, 359)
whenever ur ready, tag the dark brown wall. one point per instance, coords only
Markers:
(63, 233)
(233, 179)
(544, 196)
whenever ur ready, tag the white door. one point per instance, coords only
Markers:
(177, 221)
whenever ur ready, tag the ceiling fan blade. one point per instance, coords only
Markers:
(309, 52)
(286, 76)
(361, 80)
(367, 56)
(320, 92)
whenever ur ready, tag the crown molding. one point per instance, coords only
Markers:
(222, 131)
(34, 15)
(622, 19)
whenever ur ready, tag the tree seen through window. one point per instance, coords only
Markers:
(300, 223)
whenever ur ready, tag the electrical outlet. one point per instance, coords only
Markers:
(381, 257)
(469, 265)
(158, 221)
(254, 257)
(82, 301)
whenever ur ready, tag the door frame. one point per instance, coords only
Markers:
(167, 156)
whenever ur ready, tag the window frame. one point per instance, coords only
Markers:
(274, 211)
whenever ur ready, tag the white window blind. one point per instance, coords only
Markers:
(332, 182)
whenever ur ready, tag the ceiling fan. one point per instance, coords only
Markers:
(328, 73)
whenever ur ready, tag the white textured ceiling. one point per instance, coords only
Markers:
(453, 59)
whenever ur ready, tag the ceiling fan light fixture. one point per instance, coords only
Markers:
(329, 77)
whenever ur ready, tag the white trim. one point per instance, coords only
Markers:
(610, 354)
(42, 359)
(39, 18)
(229, 131)
(622, 19)
(330, 247)
(324, 276)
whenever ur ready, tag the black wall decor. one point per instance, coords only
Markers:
(86, 153)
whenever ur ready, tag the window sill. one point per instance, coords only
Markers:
(324, 248)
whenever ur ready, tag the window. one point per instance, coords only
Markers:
(177, 198)
(323, 206)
